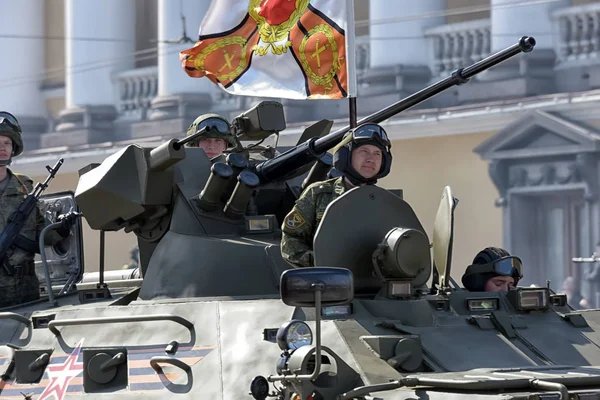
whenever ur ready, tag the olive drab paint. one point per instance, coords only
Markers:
(202, 321)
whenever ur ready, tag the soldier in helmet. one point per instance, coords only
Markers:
(493, 270)
(218, 139)
(23, 285)
(362, 157)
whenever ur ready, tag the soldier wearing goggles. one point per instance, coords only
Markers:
(363, 156)
(215, 141)
(493, 270)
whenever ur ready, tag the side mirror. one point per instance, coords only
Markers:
(314, 287)
(298, 286)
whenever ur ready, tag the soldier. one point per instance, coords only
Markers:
(217, 140)
(23, 285)
(493, 270)
(362, 158)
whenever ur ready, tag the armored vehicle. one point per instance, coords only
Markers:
(213, 312)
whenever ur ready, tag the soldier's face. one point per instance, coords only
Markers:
(500, 284)
(212, 146)
(6, 147)
(366, 160)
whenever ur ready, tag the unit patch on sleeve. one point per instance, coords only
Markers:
(295, 220)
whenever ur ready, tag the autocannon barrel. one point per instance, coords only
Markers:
(280, 166)
(171, 152)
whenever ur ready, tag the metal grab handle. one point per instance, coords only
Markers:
(17, 317)
(42, 245)
(168, 360)
(52, 325)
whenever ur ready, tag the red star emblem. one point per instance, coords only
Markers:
(61, 374)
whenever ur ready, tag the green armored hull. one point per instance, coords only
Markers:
(215, 313)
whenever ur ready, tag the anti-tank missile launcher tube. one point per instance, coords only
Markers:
(237, 163)
(220, 175)
(280, 166)
(238, 202)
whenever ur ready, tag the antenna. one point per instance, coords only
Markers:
(184, 37)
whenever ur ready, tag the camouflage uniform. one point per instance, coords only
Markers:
(23, 286)
(300, 225)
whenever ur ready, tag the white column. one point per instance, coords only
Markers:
(412, 22)
(22, 67)
(171, 77)
(91, 65)
(510, 21)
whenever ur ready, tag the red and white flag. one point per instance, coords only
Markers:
(296, 49)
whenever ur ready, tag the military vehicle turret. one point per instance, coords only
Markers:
(214, 312)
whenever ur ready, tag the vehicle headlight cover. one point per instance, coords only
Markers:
(533, 299)
(293, 335)
(483, 304)
(527, 299)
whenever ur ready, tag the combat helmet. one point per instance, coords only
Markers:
(222, 129)
(488, 263)
(9, 127)
(367, 133)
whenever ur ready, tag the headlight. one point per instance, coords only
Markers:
(293, 335)
(526, 299)
(483, 304)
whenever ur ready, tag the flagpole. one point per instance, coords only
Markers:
(351, 63)
(352, 112)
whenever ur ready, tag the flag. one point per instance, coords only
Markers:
(294, 49)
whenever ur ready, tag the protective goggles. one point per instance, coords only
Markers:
(370, 132)
(10, 120)
(507, 266)
(214, 123)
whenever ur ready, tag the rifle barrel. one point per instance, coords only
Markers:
(19, 216)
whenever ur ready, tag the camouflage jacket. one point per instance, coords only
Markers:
(18, 187)
(300, 225)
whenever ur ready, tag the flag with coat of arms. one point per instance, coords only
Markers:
(296, 49)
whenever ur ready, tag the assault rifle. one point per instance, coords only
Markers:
(10, 235)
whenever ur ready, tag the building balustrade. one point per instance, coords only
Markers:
(137, 88)
(456, 45)
(578, 34)
(451, 46)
